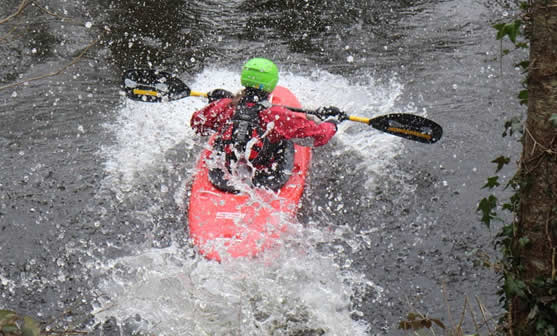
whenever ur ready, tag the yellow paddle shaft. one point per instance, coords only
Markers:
(156, 94)
(198, 94)
(359, 119)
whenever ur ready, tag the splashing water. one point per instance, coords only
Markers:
(283, 292)
(144, 131)
(299, 287)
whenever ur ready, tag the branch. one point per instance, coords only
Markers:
(51, 13)
(20, 9)
(57, 72)
(5, 37)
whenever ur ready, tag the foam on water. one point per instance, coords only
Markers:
(306, 285)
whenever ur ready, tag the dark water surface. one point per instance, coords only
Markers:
(396, 220)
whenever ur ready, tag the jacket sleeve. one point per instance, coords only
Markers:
(290, 125)
(211, 118)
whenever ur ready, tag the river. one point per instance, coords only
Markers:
(93, 186)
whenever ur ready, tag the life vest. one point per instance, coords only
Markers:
(245, 134)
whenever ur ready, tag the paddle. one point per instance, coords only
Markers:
(154, 86)
(404, 125)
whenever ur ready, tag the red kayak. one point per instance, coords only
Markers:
(239, 224)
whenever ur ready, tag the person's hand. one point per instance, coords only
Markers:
(330, 112)
(218, 94)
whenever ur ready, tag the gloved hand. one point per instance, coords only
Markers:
(327, 131)
(333, 121)
(330, 112)
(217, 94)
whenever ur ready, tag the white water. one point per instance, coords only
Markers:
(294, 287)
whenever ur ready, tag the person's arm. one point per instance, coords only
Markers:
(290, 125)
(211, 117)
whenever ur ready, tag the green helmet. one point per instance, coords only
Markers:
(260, 73)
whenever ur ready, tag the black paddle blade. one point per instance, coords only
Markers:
(408, 126)
(153, 86)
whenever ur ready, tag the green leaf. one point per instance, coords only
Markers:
(492, 182)
(508, 207)
(553, 119)
(486, 207)
(438, 322)
(524, 65)
(523, 97)
(523, 241)
(501, 161)
(508, 29)
(30, 327)
(514, 287)
(500, 27)
(513, 30)
(513, 125)
(540, 324)
(7, 317)
(10, 329)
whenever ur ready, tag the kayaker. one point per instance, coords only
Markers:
(250, 129)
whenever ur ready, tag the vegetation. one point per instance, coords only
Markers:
(527, 242)
(12, 324)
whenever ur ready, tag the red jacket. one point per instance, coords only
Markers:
(287, 124)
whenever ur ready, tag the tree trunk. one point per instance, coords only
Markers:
(535, 240)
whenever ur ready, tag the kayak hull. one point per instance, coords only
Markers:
(224, 224)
